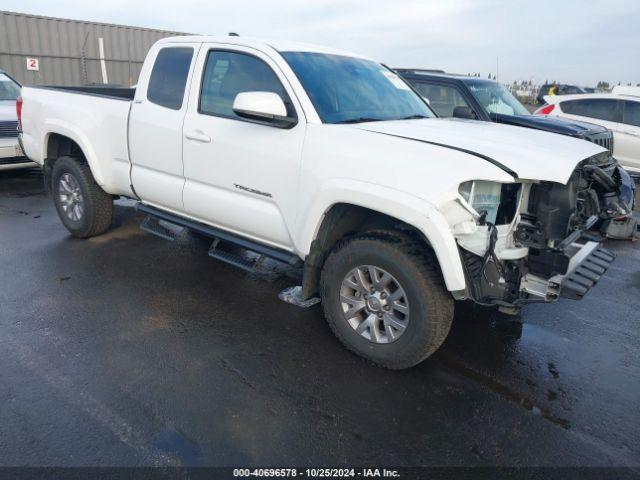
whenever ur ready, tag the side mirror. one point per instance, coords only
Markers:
(266, 107)
(464, 112)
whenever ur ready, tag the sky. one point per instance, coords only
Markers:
(570, 41)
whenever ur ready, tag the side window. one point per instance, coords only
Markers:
(631, 113)
(443, 99)
(227, 74)
(569, 90)
(169, 77)
(600, 108)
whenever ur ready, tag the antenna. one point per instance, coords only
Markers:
(233, 34)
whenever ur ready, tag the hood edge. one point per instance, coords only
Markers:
(452, 147)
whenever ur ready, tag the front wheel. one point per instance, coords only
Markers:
(384, 298)
(84, 208)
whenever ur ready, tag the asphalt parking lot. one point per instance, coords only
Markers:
(129, 350)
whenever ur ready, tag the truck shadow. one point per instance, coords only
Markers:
(21, 183)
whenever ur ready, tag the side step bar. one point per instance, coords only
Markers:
(151, 225)
(586, 273)
(233, 258)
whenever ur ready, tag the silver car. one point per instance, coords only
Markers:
(11, 155)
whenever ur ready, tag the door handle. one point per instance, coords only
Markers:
(197, 136)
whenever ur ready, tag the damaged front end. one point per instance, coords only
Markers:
(530, 241)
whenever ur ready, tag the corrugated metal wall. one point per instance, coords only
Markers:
(68, 50)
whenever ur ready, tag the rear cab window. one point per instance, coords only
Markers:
(168, 80)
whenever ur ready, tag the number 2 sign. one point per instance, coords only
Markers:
(33, 64)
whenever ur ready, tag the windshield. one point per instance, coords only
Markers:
(495, 98)
(351, 90)
(9, 90)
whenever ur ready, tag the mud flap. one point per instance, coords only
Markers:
(624, 229)
(293, 295)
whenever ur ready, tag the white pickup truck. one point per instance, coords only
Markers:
(330, 161)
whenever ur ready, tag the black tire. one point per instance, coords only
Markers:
(416, 269)
(97, 204)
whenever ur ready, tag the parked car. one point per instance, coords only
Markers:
(392, 213)
(11, 156)
(475, 98)
(561, 89)
(619, 113)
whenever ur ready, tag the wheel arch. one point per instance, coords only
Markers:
(58, 145)
(61, 140)
(342, 219)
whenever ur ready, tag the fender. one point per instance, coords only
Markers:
(408, 208)
(60, 127)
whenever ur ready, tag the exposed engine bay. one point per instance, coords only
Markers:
(538, 241)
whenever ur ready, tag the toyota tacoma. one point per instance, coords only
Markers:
(330, 162)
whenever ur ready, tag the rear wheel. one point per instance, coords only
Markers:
(84, 208)
(384, 298)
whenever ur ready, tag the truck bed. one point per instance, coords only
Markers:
(94, 117)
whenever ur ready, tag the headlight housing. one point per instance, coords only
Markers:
(499, 200)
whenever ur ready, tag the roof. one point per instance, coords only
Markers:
(434, 73)
(626, 90)
(278, 45)
(553, 99)
(459, 77)
(86, 22)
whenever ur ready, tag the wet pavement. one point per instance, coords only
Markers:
(126, 349)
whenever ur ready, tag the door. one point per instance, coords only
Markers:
(627, 140)
(155, 127)
(241, 175)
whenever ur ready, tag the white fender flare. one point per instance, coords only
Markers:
(405, 207)
(65, 129)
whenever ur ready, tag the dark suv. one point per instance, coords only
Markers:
(479, 99)
(561, 89)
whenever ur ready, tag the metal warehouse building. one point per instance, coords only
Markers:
(38, 50)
